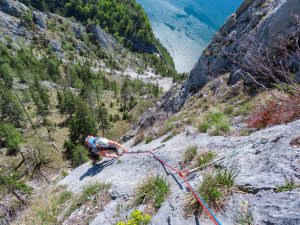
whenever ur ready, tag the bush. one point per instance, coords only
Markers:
(275, 112)
(214, 188)
(215, 122)
(137, 218)
(205, 158)
(189, 154)
(153, 190)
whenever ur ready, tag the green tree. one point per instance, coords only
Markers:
(40, 97)
(53, 69)
(10, 109)
(10, 182)
(11, 138)
(125, 94)
(82, 123)
(103, 119)
(79, 155)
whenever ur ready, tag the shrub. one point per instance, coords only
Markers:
(153, 190)
(137, 218)
(215, 122)
(275, 112)
(214, 188)
(205, 158)
(189, 154)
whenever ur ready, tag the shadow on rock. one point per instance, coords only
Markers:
(94, 170)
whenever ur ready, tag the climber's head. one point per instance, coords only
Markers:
(89, 140)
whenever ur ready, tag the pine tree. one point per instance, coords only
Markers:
(10, 109)
(10, 182)
(125, 94)
(12, 140)
(82, 123)
(103, 119)
(40, 97)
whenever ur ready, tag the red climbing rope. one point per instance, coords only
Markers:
(181, 174)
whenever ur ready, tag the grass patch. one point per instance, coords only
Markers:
(92, 190)
(214, 189)
(243, 110)
(167, 127)
(153, 190)
(139, 138)
(229, 110)
(148, 139)
(169, 137)
(205, 158)
(216, 123)
(64, 197)
(288, 186)
(189, 154)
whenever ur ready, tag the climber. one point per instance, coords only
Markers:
(100, 146)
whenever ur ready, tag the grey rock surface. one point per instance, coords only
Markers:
(268, 20)
(266, 161)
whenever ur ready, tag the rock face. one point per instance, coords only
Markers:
(267, 20)
(267, 160)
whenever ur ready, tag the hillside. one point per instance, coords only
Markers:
(221, 147)
(125, 20)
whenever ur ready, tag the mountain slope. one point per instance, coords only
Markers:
(125, 20)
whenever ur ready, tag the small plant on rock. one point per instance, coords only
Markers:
(245, 216)
(148, 139)
(205, 158)
(136, 218)
(153, 190)
(214, 189)
(189, 154)
(288, 186)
